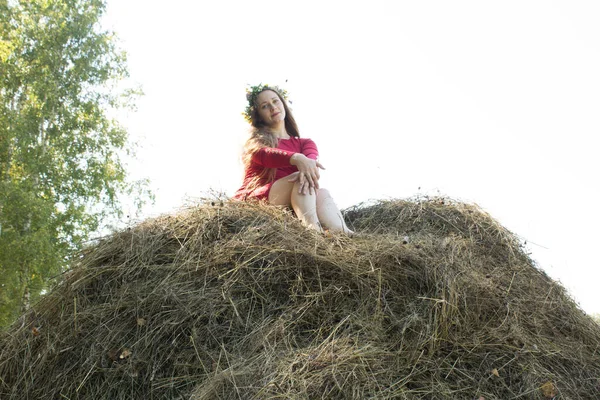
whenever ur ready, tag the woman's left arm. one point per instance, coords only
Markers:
(309, 176)
(309, 149)
(308, 173)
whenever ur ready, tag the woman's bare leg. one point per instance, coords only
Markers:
(285, 193)
(329, 214)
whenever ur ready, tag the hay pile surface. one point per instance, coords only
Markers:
(435, 300)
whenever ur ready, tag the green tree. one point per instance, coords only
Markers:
(61, 168)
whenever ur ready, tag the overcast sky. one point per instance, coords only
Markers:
(495, 103)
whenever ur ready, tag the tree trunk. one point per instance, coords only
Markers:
(5, 169)
(26, 299)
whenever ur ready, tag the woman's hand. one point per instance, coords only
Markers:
(308, 173)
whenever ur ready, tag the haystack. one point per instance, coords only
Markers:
(434, 300)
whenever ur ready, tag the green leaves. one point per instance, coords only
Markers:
(60, 170)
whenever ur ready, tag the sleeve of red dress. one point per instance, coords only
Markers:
(309, 149)
(270, 157)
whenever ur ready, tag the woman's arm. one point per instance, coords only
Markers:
(308, 176)
(309, 149)
(270, 157)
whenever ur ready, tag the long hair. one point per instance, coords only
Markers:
(261, 136)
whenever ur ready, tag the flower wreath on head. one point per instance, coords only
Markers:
(253, 91)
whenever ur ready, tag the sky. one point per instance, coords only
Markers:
(493, 103)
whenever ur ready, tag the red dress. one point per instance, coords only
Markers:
(269, 157)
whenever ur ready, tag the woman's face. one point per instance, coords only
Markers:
(270, 108)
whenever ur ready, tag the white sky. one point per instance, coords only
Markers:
(495, 103)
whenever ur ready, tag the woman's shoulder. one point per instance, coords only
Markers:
(304, 140)
(294, 141)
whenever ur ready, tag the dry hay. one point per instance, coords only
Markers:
(239, 301)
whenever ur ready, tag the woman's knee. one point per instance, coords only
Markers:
(280, 193)
(323, 195)
(307, 193)
(322, 192)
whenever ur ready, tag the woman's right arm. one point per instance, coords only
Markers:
(270, 157)
(309, 172)
(308, 168)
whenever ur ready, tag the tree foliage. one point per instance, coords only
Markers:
(61, 167)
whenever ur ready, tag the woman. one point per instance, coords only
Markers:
(282, 168)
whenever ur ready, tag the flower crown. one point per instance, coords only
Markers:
(253, 91)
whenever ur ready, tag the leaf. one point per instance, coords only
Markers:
(125, 353)
(548, 390)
